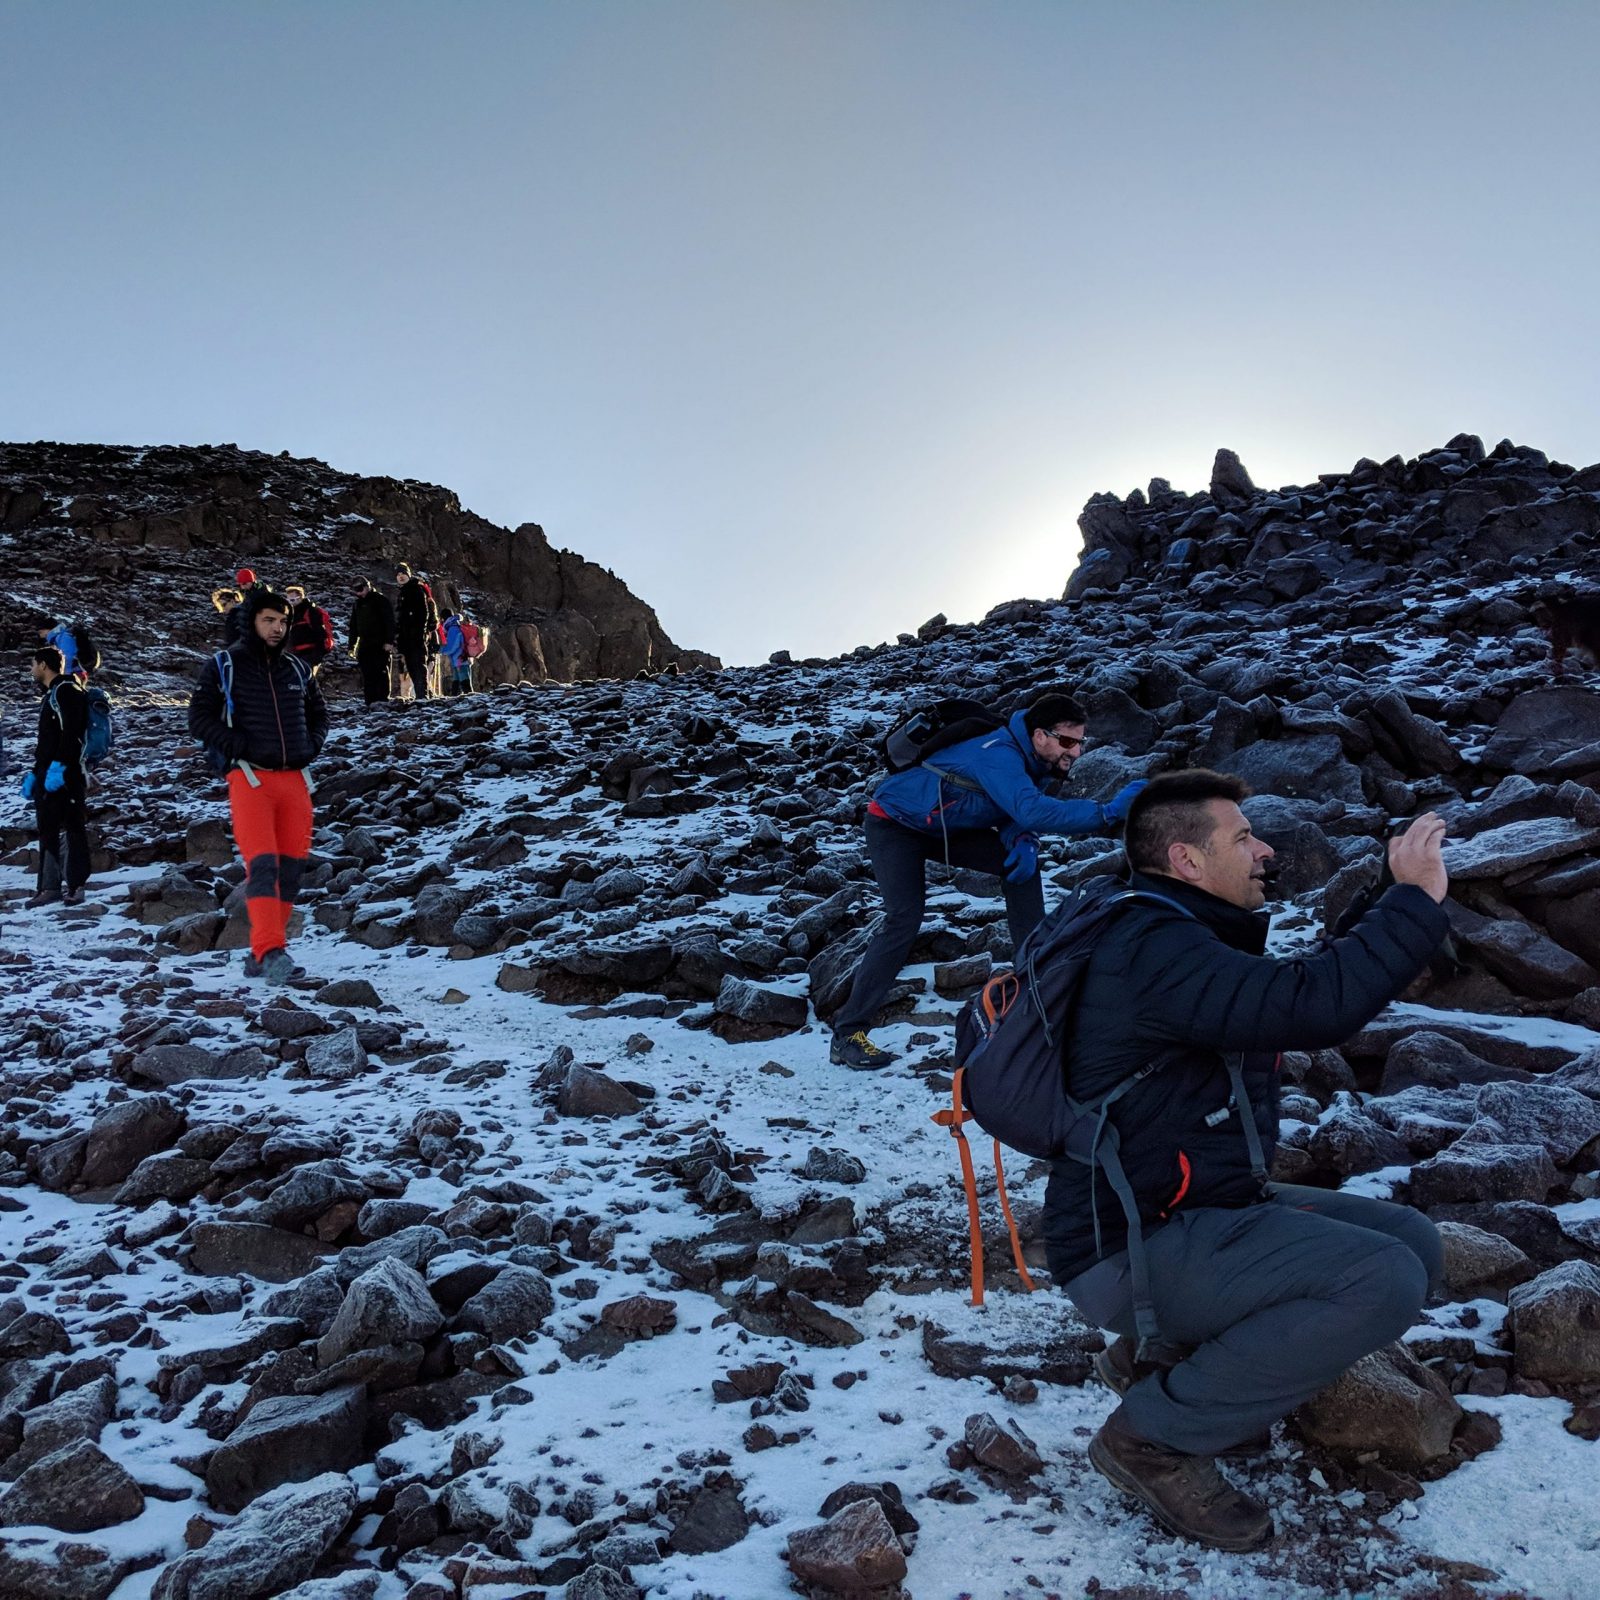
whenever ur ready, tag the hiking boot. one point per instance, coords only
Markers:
(859, 1052)
(45, 897)
(72, 897)
(252, 967)
(1186, 1494)
(278, 966)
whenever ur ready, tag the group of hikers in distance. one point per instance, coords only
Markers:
(1135, 1044)
(404, 649)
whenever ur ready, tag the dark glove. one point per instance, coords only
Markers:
(30, 782)
(55, 779)
(1117, 807)
(1023, 862)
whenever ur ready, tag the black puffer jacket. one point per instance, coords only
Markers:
(279, 717)
(416, 616)
(1196, 989)
(63, 722)
(371, 623)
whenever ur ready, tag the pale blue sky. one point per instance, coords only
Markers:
(810, 319)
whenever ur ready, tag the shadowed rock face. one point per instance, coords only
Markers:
(156, 530)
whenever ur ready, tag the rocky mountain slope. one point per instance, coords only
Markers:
(155, 530)
(532, 1247)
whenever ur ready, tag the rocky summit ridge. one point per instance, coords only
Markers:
(123, 535)
(532, 1247)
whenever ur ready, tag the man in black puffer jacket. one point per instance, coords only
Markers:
(1263, 1293)
(261, 716)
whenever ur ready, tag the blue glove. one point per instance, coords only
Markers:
(30, 782)
(55, 780)
(1023, 862)
(1118, 806)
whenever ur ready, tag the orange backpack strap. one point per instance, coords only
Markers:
(1011, 1221)
(952, 1119)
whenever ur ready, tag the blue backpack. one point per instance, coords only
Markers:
(98, 737)
(1011, 1044)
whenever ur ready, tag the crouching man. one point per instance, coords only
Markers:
(1235, 1299)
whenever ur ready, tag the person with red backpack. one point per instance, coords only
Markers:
(310, 629)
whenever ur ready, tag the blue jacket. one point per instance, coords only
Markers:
(455, 641)
(1003, 774)
(61, 637)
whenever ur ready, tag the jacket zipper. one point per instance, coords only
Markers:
(283, 742)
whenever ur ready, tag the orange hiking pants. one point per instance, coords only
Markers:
(272, 828)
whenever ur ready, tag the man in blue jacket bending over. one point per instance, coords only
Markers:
(976, 805)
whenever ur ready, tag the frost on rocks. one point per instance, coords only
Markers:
(273, 1546)
(541, 1210)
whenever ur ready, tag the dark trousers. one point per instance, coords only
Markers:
(899, 858)
(415, 657)
(63, 836)
(1277, 1298)
(373, 660)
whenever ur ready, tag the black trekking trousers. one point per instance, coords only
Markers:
(63, 835)
(899, 860)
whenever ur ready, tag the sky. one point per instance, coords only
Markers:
(809, 319)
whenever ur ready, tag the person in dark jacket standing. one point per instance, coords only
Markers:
(1262, 1293)
(310, 628)
(56, 782)
(261, 715)
(371, 637)
(233, 617)
(416, 628)
(978, 805)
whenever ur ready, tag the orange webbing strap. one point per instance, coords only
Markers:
(1011, 1222)
(952, 1119)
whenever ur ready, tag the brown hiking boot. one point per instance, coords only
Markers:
(1118, 1370)
(1186, 1494)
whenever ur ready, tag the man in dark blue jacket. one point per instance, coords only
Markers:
(1263, 1293)
(260, 713)
(977, 805)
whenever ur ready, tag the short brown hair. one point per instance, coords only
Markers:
(1171, 809)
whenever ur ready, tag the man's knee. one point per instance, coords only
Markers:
(1386, 1292)
(1426, 1243)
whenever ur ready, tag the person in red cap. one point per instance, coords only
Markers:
(233, 619)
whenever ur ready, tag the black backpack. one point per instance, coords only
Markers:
(88, 652)
(929, 729)
(1011, 1081)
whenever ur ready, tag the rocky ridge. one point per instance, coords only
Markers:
(157, 529)
(532, 1247)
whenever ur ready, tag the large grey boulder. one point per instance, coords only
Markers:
(1482, 1172)
(123, 1135)
(854, 1552)
(388, 1304)
(1312, 767)
(274, 1545)
(77, 1489)
(588, 1092)
(337, 1057)
(1559, 1118)
(513, 1304)
(1388, 1402)
(1555, 1324)
(287, 1440)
